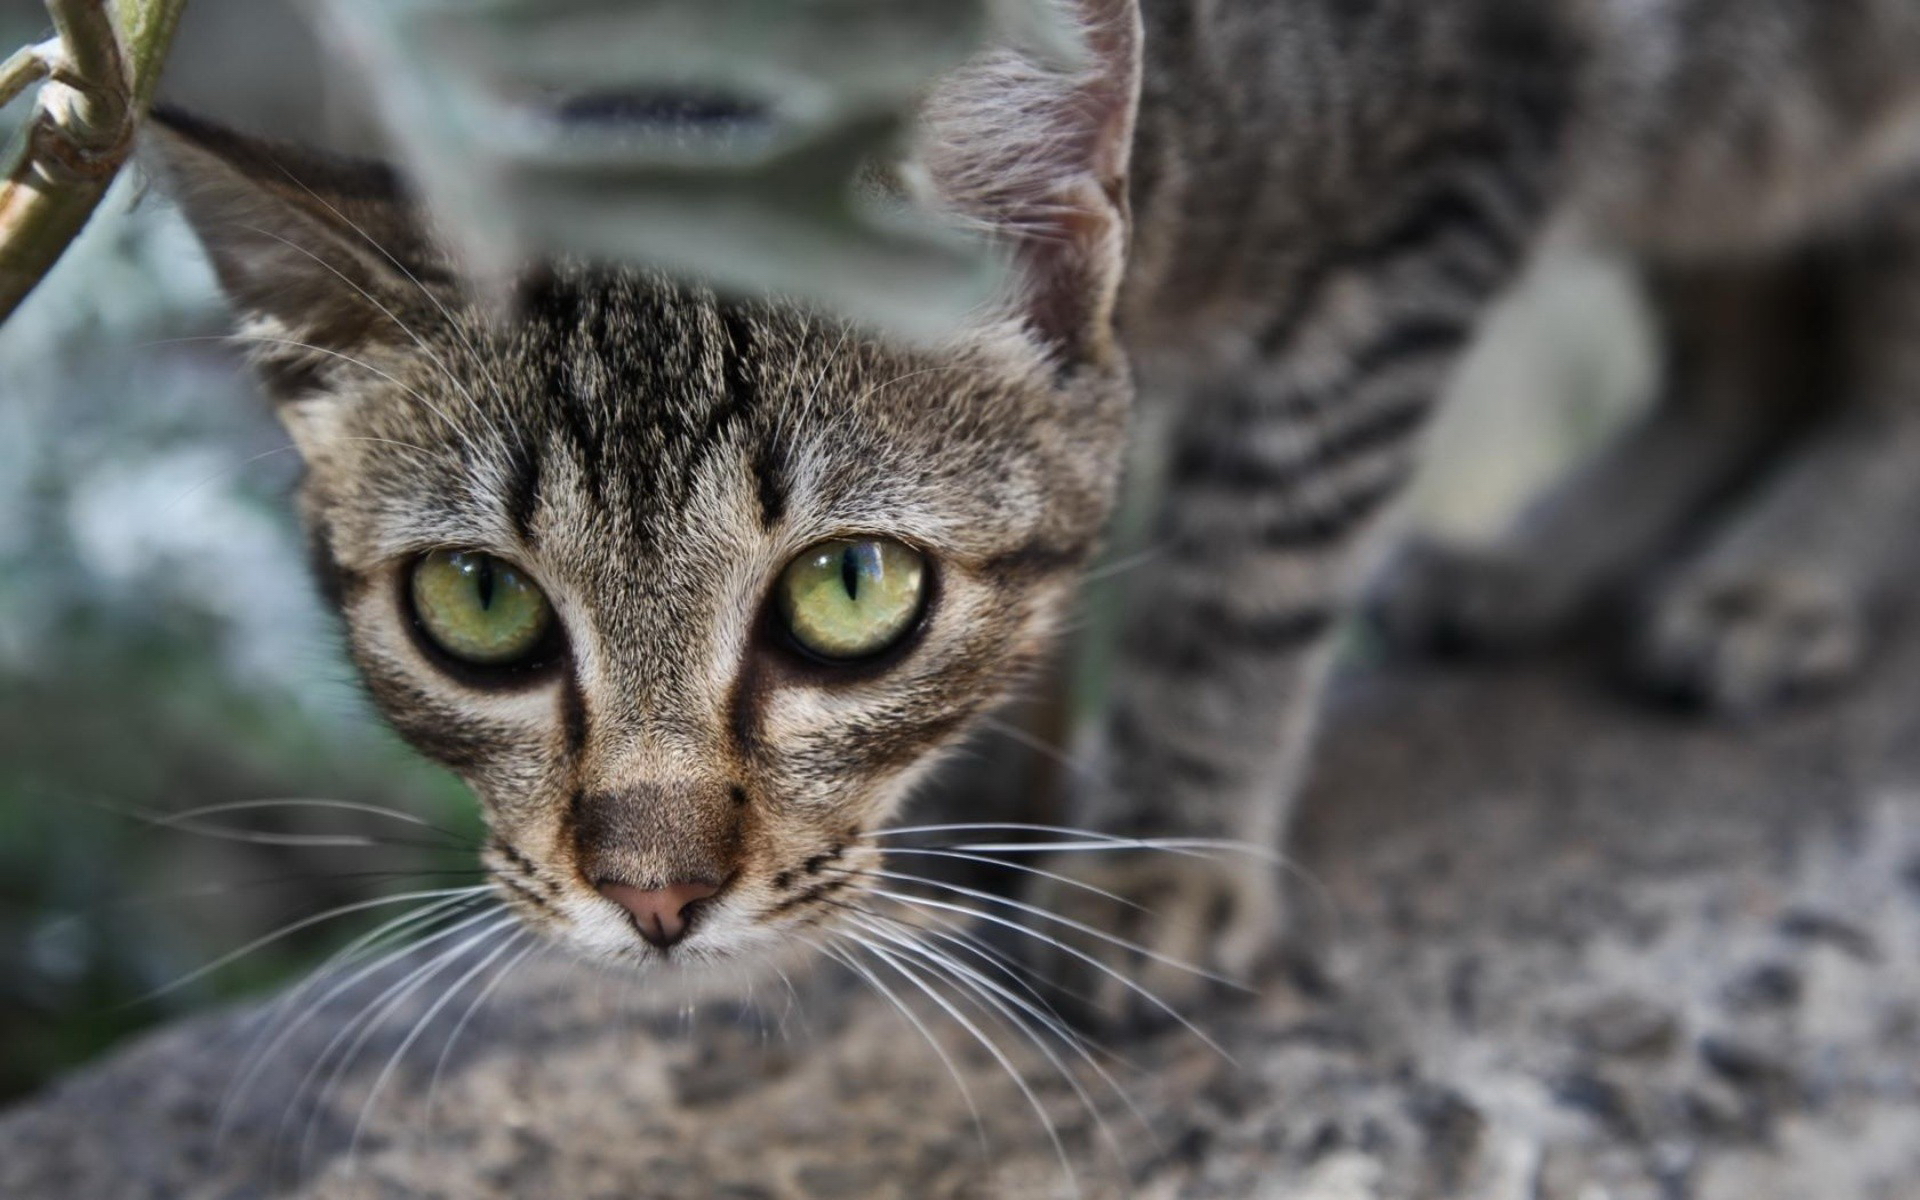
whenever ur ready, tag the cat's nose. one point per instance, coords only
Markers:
(660, 914)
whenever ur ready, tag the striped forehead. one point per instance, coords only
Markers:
(626, 412)
(657, 403)
(641, 388)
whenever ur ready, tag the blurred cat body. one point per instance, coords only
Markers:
(1286, 217)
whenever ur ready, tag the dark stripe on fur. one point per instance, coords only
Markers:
(523, 489)
(770, 482)
(819, 891)
(740, 392)
(524, 892)
(1412, 338)
(1315, 526)
(1450, 210)
(426, 722)
(573, 713)
(1387, 425)
(1218, 639)
(743, 707)
(1323, 524)
(1033, 560)
(556, 304)
(327, 572)
(526, 867)
(1214, 462)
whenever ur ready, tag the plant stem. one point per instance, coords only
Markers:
(24, 68)
(100, 74)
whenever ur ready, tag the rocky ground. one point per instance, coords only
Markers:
(1568, 948)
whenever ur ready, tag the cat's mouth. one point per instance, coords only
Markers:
(684, 921)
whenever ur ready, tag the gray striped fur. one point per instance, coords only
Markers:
(1286, 253)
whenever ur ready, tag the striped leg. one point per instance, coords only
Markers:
(1276, 497)
(1278, 485)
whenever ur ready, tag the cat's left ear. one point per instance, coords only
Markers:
(1038, 154)
(324, 251)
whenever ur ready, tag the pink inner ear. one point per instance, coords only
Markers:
(1069, 293)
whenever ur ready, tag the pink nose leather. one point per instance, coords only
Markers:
(660, 914)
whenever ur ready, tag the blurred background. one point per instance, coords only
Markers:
(162, 648)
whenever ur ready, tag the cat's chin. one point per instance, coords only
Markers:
(692, 973)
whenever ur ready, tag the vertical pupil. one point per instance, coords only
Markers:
(483, 582)
(850, 574)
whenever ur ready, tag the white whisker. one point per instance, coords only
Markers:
(1121, 566)
(1089, 835)
(204, 891)
(261, 1051)
(369, 1019)
(454, 840)
(420, 1025)
(304, 923)
(1214, 845)
(1091, 841)
(1012, 967)
(940, 1052)
(433, 356)
(963, 855)
(1209, 848)
(902, 378)
(167, 821)
(235, 468)
(261, 837)
(1096, 964)
(1016, 972)
(222, 473)
(306, 1079)
(1047, 750)
(794, 1008)
(993, 1048)
(826, 368)
(479, 1001)
(1035, 910)
(393, 814)
(989, 989)
(452, 324)
(458, 432)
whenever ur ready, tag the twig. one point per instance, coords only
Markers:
(26, 67)
(100, 72)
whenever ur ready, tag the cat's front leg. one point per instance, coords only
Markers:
(1276, 499)
(1347, 297)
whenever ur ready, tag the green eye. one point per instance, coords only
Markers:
(852, 599)
(479, 609)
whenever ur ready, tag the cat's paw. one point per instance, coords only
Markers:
(1436, 597)
(1148, 935)
(1739, 641)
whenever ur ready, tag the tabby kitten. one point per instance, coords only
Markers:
(693, 590)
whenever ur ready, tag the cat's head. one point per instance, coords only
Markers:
(690, 590)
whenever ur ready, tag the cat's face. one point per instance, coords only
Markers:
(690, 591)
(745, 575)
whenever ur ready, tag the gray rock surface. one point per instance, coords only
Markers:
(1559, 947)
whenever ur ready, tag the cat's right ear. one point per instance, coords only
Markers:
(309, 249)
(1037, 154)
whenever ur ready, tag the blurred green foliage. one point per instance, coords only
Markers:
(161, 648)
